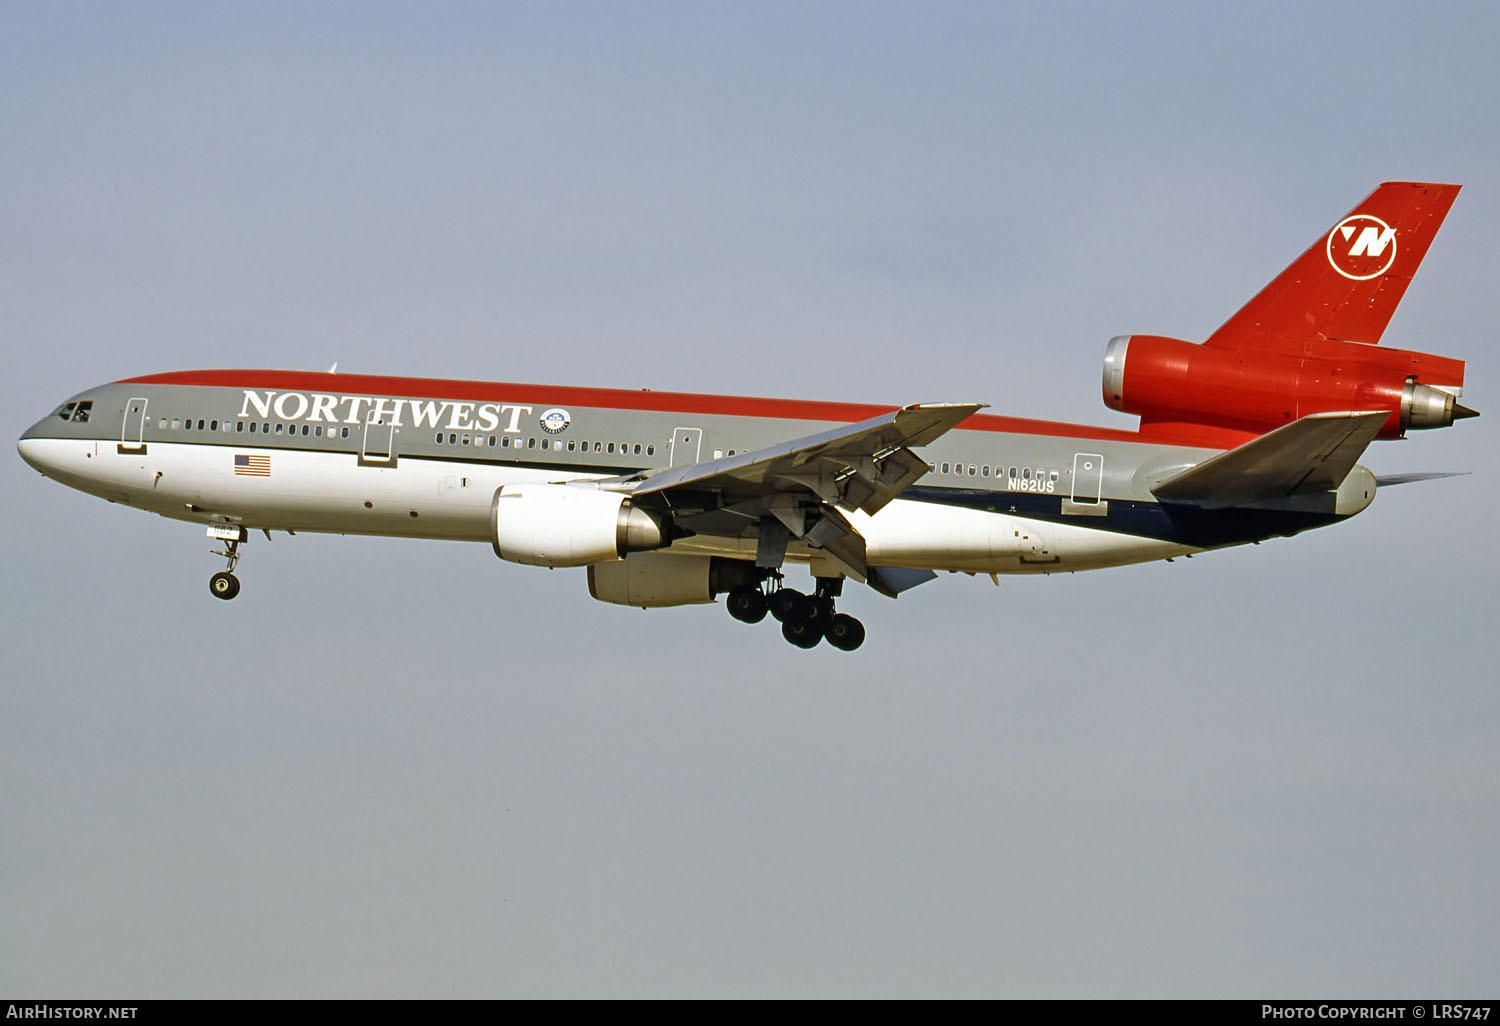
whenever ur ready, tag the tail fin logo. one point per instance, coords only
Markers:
(1361, 247)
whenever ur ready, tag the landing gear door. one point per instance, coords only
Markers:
(686, 441)
(377, 446)
(133, 427)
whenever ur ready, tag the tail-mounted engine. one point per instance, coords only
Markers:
(570, 525)
(1170, 381)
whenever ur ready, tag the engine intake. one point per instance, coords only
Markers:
(569, 525)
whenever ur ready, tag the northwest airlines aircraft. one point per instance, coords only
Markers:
(669, 499)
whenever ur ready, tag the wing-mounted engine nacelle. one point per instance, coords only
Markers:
(1170, 381)
(569, 525)
(649, 580)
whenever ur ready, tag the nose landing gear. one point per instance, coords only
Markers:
(224, 584)
(805, 619)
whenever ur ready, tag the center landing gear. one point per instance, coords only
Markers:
(224, 585)
(805, 619)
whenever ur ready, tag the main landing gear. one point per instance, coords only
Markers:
(224, 585)
(805, 619)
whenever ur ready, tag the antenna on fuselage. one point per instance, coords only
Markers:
(335, 368)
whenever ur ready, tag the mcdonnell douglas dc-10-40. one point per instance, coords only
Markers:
(670, 499)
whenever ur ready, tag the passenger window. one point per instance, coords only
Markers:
(438, 438)
(161, 425)
(278, 429)
(971, 470)
(611, 447)
(984, 471)
(492, 441)
(200, 424)
(213, 425)
(344, 433)
(1026, 474)
(466, 439)
(945, 468)
(544, 442)
(598, 446)
(638, 449)
(531, 443)
(651, 450)
(304, 429)
(318, 430)
(239, 426)
(505, 442)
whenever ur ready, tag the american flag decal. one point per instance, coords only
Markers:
(252, 466)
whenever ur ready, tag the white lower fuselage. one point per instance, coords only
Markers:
(333, 492)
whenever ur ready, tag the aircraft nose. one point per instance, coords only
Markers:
(37, 449)
(30, 449)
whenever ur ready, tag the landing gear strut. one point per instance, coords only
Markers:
(224, 585)
(805, 619)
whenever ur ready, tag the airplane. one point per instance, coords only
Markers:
(672, 499)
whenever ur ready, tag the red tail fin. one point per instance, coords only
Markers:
(1348, 283)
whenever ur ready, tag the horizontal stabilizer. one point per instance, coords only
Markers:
(1313, 454)
(1387, 480)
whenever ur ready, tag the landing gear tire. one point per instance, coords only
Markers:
(820, 613)
(224, 585)
(845, 632)
(790, 606)
(746, 605)
(801, 633)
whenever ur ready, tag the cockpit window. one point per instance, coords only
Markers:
(78, 413)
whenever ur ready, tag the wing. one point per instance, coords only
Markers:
(796, 489)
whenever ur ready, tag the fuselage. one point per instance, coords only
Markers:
(357, 454)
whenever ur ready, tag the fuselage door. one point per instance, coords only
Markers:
(133, 427)
(1088, 477)
(686, 442)
(377, 447)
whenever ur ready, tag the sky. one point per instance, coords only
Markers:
(404, 769)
